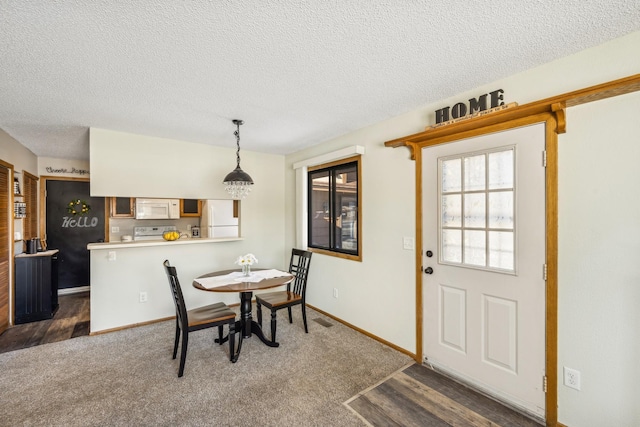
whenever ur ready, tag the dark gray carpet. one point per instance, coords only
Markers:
(128, 378)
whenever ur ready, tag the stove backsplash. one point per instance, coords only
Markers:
(119, 227)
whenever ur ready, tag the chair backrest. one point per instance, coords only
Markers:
(176, 292)
(299, 267)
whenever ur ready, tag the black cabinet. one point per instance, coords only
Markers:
(36, 295)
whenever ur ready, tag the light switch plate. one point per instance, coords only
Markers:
(408, 243)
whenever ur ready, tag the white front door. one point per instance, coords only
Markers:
(484, 242)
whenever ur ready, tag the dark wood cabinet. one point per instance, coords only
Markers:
(36, 291)
(190, 207)
(122, 207)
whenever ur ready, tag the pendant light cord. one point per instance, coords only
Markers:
(237, 134)
(238, 122)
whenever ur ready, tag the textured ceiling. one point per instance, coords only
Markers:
(297, 72)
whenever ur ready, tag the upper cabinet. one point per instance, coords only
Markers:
(122, 207)
(190, 208)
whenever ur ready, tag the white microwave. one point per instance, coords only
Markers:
(157, 209)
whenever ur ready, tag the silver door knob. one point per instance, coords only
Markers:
(428, 270)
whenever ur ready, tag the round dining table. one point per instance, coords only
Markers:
(246, 324)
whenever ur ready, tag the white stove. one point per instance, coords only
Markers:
(151, 232)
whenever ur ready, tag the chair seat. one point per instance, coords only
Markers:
(210, 313)
(279, 299)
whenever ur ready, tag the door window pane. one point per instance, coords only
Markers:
(475, 248)
(501, 250)
(452, 246)
(501, 209)
(474, 173)
(501, 170)
(474, 210)
(452, 210)
(451, 175)
(477, 209)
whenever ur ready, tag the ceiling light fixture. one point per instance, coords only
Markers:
(238, 183)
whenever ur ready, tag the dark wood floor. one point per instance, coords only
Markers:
(70, 321)
(419, 396)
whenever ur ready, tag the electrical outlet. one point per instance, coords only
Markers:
(111, 256)
(335, 292)
(115, 229)
(572, 378)
(143, 297)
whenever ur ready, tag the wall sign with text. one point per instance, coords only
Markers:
(66, 171)
(483, 104)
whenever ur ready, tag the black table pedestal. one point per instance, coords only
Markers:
(247, 324)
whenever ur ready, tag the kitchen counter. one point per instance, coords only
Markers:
(129, 284)
(159, 242)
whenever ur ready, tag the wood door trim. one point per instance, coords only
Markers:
(7, 289)
(551, 244)
(554, 105)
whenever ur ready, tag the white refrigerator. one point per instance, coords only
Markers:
(219, 219)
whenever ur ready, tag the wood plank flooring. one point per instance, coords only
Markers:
(419, 396)
(70, 321)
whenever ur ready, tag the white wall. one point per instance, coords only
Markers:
(383, 283)
(599, 272)
(11, 151)
(22, 159)
(179, 169)
(116, 285)
(377, 295)
(130, 165)
(116, 169)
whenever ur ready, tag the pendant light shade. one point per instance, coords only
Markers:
(237, 182)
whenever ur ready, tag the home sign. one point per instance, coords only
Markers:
(483, 104)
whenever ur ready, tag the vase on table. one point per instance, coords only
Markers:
(246, 270)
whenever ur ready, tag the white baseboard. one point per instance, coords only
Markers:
(76, 290)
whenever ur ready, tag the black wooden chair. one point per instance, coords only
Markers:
(217, 314)
(294, 295)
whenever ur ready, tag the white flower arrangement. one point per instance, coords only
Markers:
(248, 259)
